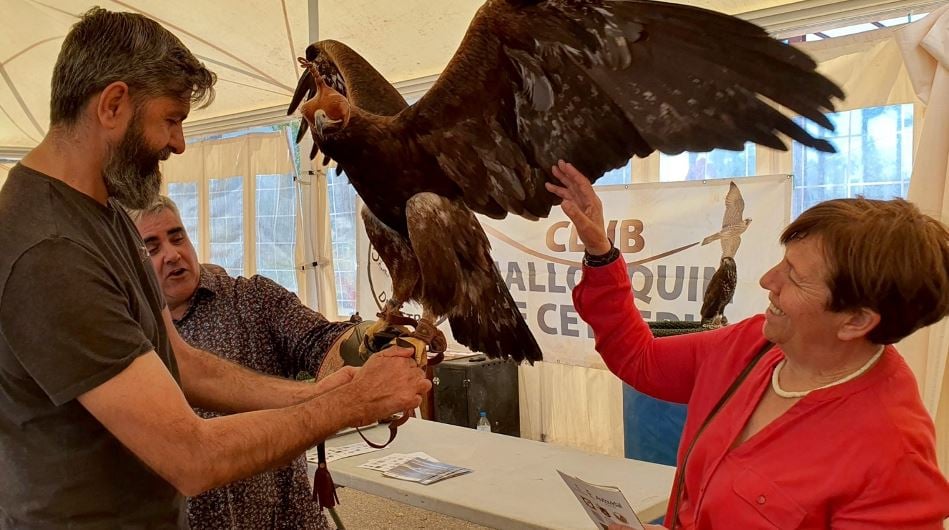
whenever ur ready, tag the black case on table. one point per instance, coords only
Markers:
(465, 387)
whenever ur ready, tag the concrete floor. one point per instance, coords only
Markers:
(362, 511)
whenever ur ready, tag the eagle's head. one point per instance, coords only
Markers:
(327, 111)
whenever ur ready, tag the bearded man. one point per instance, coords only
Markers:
(96, 430)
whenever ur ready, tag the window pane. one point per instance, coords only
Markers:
(342, 200)
(874, 157)
(719, 163)
(276, 229)
(185, 195)
(620, 175)
(226, 198)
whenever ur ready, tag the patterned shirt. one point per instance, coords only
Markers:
(258, 324)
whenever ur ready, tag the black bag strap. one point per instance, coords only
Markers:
(680, 482)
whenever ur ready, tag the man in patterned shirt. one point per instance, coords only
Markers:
(261, 325)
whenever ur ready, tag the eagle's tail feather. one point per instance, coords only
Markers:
(496, 326)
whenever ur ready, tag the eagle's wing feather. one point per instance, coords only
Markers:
(365, 87)
(397, 254)
(596, 82)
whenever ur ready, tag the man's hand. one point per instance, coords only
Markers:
(336, 379)
(388, 383)
(582, 206)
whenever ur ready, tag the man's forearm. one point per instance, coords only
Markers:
(213, 383)
(240, 445)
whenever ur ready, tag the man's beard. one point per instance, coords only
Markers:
(131, 174)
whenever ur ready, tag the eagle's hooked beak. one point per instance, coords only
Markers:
(322, 121)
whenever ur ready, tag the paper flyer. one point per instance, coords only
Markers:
(388, 462)
(425, 471)
(604, 504)
(343, 451)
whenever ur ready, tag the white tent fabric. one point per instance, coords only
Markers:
(5, 168)
(925, 46)
(868, 66)
(252, 49)
(252, 45)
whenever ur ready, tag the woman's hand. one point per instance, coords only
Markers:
(582, 206)
(646, 526)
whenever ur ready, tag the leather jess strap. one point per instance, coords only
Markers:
(421, 359)
(324, 490)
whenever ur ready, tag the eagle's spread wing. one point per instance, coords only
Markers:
(596, 82)
(734, 207)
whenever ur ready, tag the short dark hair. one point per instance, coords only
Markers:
(105, 47)
(886, 256)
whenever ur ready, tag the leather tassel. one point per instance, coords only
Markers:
(324, 490)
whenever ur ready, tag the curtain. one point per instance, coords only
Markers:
(4, 169)
(925, 47)
(316, 245)
(238, 161)
(573, 406)
(868, 66)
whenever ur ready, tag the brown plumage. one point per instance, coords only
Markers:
(719, 293)
(592, 82)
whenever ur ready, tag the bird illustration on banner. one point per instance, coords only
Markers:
(721, 288)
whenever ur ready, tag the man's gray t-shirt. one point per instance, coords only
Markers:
(78, 303)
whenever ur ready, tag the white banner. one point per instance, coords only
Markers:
(659, 228)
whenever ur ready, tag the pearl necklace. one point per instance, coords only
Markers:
(785, 394)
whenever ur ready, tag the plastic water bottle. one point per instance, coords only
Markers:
(483, 423)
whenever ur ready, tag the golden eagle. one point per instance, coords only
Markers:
(593, 82)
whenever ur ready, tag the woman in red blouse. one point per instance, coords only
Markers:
(822, 425)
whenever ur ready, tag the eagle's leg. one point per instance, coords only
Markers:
(390, 324)
(425, 339)
(426, 330)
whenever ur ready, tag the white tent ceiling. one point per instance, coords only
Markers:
(252, 45)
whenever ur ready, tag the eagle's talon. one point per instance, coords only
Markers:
(426, 331)
(379, 336)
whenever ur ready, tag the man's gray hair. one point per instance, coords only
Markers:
(160, 204)
(105, 47)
